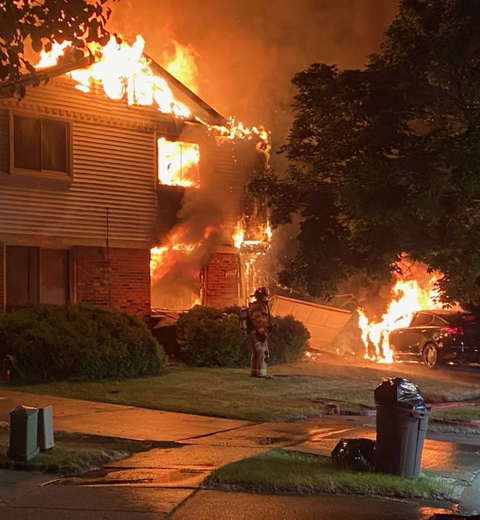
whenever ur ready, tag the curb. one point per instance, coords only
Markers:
(458, 422)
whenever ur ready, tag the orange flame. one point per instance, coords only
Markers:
(175, 247)
(238, 235)
(123, 71)
(181, 64)
(408, 296)
(250, 251)
(178, 163)
(262, 234)
(238, 130)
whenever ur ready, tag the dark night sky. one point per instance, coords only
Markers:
(248, 51)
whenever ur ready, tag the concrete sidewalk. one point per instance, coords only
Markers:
(116, 420)
(167, 482)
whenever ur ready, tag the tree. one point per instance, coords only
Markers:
(43, 23)
(386, 160)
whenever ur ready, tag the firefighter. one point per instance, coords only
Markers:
(258, 326)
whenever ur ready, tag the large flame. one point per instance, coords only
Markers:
(408, 296)
(123, 71)
(178, 163)
(180, 62)
(255, 237)
(176, 265)
(238, 235)
(176, 247)
(238, 130)
(252, 243)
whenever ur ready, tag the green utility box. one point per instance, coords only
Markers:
(45, 428)
(23, 433)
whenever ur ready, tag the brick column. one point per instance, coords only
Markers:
(118, 277)
(221, 280)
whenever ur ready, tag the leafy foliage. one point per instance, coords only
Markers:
(386, 160)
(78, 342)
(288, 341)
(43, 23)
(208, 337)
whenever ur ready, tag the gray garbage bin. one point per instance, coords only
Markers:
(400, 436)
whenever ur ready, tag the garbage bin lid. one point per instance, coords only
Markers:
(24, 410)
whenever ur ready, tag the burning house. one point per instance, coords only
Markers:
(121, 187)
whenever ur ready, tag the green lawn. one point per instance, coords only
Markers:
(285, 471)
(464, 413)
(73, 453)
(234, 394)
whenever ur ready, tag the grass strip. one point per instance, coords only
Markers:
(464, 413)
(73, 453)
(286, 471)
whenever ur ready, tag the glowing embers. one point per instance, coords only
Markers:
(123, 71)
(178, 163)
(408, 296)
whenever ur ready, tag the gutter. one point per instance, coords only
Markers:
(10, 87)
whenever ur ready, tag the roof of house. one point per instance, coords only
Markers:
(197, 105)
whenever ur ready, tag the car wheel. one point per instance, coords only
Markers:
(430, 355)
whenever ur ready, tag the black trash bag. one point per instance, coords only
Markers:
(356, 454)
(400, 393)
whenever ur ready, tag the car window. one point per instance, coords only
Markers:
(422, 320)
(466, 320)
(439, 322)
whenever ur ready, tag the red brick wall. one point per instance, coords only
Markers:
(119, 278)
(221, 280)
(2, 276)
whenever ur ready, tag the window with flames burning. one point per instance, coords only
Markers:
(178, 163)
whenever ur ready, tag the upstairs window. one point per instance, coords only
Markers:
(178, 163)
(41, 145)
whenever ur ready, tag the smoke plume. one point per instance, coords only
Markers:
(248, 51)
(246, 54)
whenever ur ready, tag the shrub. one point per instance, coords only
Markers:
(78, 342)
(288, 340)
(208, 337)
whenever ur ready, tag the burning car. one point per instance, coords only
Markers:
(437, 336)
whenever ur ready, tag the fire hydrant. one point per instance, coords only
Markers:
(6, 369)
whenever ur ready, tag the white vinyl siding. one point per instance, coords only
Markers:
(114, 167)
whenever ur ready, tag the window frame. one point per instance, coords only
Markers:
(419, 315)
(35, 267)
(42, 173)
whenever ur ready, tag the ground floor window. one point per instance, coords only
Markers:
(37, 275)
